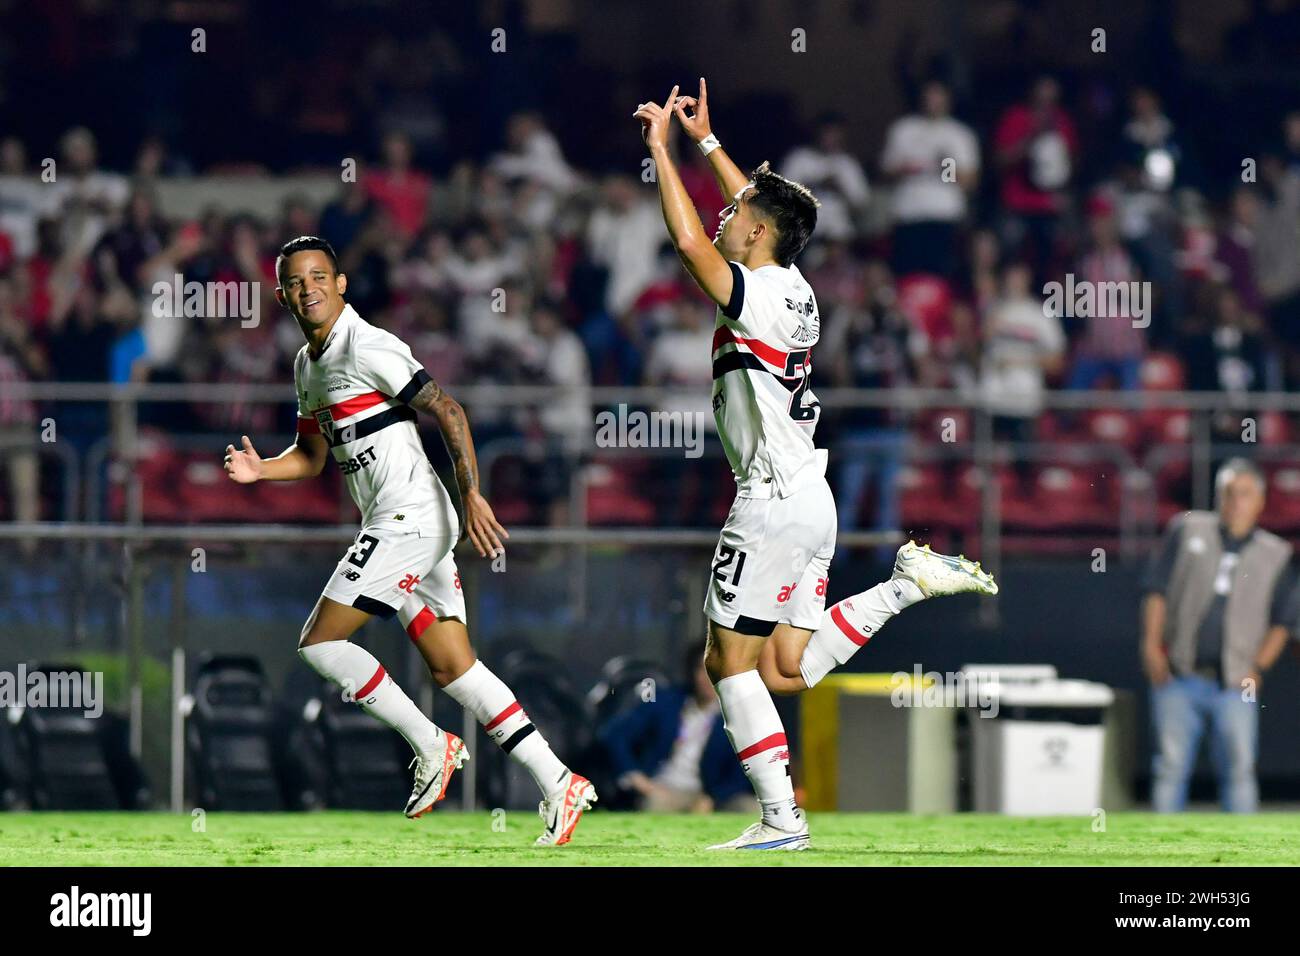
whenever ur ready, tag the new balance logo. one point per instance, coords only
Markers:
(350, 574)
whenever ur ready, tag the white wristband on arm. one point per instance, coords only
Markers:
(708, 144)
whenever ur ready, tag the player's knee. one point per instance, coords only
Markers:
(313, 632)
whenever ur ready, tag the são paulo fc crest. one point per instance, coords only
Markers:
(326, 423)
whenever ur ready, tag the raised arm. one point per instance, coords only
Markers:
(730, 179)
(481, 524)
(705, 264)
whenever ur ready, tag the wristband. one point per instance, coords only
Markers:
(708, 144)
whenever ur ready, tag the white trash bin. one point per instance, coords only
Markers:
(1041, 754)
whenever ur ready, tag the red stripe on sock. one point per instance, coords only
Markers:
(419, 623)
(372, 683)
(767, 743)
(512, 709)
(849, 630)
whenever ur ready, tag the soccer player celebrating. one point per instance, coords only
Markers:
(358, 391)
(769, 629)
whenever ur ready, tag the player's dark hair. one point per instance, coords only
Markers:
(789, 206)
(305, 244)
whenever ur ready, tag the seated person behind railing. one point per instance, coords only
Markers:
(673, 751)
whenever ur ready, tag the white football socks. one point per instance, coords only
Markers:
(851, 623)
(754, 728)
(354, 668)
(484, 695)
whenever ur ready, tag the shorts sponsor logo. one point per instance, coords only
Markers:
(408, 583)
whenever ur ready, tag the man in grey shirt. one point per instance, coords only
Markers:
(1216, 615)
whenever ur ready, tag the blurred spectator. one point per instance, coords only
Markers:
(425, 325)
(402, 191)
(681, 361)
(834, 175)
(24, 200)
(934, 160)
(623, 235)
(1216, 615)
(533, 154)
(344, 216)
(141, 236)
(1237, 243)
(86, 196)
(153, 160)
(557, 357)
(1112, 343)
(1229, 354)
(1023, 344)
(1277, 256)
(871, 344)
(672, 750)
(21, 361)
(1036, 148)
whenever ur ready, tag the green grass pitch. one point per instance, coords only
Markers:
(449, 838)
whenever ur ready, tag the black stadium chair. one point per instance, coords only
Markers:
(70, 761)
(228, 737)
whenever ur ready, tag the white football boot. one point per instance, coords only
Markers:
(764, 836)
(561, 814)
(433, 773)
(937, 574)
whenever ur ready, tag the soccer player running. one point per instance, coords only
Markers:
(769, 630)
(358, 392)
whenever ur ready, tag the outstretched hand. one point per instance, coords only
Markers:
(655, 120)
(243, 465)
(697, 124)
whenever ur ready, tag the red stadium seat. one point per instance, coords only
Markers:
(1162, 372)
(1283, 510)
(1115, 427)
(612, 498)
(926, 501)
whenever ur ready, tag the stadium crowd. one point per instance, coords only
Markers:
(930, 263)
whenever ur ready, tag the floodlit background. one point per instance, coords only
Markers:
(478, 170)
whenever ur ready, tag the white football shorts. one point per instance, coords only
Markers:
(388, 573)
(773, 561)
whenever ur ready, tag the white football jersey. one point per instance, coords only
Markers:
(762, 344)
(355, 394)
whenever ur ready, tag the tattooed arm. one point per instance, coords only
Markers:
(480, 523)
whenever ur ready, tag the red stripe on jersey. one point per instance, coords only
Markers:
(767, 743)
(768, 353)
(512, 709)
(308, 426)
(351, 406)
(848, 629)
(372, 683)
(419, 623)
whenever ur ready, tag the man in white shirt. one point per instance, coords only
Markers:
(835, 175)
(934, 161)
